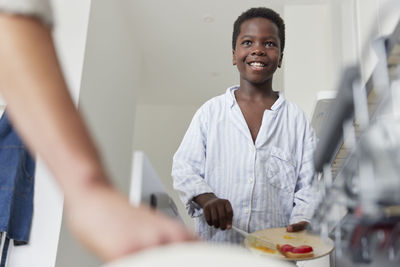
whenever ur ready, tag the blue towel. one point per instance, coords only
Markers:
(17, 169)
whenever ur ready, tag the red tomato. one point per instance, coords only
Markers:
(302, 249)
(286, 248)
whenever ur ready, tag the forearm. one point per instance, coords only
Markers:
(44, 115)
(189, 185)
(40, 107)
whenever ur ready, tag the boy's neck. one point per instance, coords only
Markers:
(256, 91)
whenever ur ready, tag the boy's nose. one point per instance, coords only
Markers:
(258, 52)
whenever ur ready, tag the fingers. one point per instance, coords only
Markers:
(215, 216)
(207, 215)
(218, 213)
(296, 227)
(222, 216)
(125, 229)
(229, 214)
(176, 232)
(211, 214)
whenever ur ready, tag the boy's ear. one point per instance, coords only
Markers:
(280, 61)
(233, 57)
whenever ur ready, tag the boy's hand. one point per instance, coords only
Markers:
(218, 212)
(296, 227)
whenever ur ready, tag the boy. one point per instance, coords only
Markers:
(246, 158)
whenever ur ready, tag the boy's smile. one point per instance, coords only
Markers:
(257, 53)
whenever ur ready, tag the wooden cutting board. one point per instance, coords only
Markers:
(281, 236)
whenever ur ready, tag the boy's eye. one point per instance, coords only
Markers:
(246, 42)
(270, 44)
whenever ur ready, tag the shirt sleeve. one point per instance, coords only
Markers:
(188, 166)
(306, 195)
(40, 9)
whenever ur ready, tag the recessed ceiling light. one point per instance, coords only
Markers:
(208, 19)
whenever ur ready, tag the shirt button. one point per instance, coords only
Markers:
(246, 211)
(251, 180)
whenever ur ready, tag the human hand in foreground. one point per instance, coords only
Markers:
(44, 114)
(111, 227)
(297, 227)
(218, 212)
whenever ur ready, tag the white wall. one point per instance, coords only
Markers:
(109, 82)
(308, 63)
(324, 38)
(374, 18)
(356, 23)
(107, 100)
(70, 36)
(2, 105)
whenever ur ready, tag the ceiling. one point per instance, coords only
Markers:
(185, 47)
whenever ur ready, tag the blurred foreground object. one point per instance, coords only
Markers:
(358, 160)
(197, 255)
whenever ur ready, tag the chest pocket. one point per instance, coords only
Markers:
(281, 170)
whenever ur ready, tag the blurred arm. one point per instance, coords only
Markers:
(39, 104)
(43, 113)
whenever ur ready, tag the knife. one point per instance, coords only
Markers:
(255, 240)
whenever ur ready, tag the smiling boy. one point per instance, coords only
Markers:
(246, 158)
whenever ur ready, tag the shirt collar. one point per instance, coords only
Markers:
(230, 95)
(231, 99)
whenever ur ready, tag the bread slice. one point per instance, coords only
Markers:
(292, 255)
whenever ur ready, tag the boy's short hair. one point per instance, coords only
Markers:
(259, 12)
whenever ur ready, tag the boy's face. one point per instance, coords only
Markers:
(257, 53)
